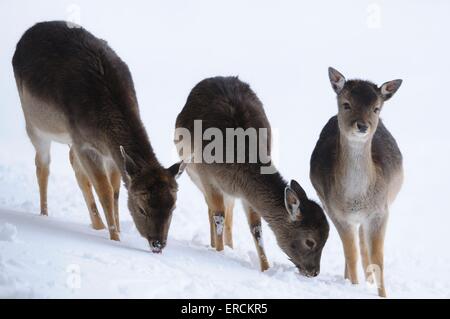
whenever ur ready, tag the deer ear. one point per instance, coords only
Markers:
(129, 165)
(388, 89)
(337, 80)
(177, 169)
(292, 203)
(298, 189)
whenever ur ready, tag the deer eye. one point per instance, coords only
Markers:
(376, 110)
(346, 106)
(141, 211)
(309, 243)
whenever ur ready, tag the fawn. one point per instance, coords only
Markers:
(299, 224)
(356, 169)
(75, 90)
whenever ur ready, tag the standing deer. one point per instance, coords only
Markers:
(299, 224)
(356, 169)
(75, 90)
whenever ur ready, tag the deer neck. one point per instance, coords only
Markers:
(265, 194)
(355, 169)
(128, 131)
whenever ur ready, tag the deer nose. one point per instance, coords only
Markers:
(157, 246)
(361, 127)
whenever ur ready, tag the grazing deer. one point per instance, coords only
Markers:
(299, 224)
(75, 90)
(356, 169)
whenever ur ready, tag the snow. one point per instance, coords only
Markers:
(8, 232)
(283, 51)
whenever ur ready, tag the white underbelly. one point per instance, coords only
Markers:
(44, 119)
(63, 138)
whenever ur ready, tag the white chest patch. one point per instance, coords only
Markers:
(355, 183)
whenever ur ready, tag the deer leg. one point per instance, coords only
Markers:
(86, 189)
(364, 249)
(203, 186)
(219, 220)
(98, 176)
(42, 172)
(216, 206)
(254, 221)
(212, 228)
(115, 179)
(348, 237)
(42, 162)
(346, 275)
(376, 248)
(229, 205)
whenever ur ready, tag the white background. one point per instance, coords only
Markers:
(283, 49)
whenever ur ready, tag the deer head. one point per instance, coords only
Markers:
(304, 232)
(152, 195)
(359, 104)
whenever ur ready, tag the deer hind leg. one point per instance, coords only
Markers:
(364, 249)
(115, 179)
(229, 206)
(42, 161)
(376, 250)
(216, 211)
(254, 222)
(86, 189)
(94, 167)
(349, 242)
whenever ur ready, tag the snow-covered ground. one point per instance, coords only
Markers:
(283, 50)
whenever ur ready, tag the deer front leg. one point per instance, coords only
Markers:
(105, 193)
(86, 189)
(217, 217)
(212, 228)
(98, 176)
(219, 224)
(229, 206)
(348, 236)
(115, 179)
(254, 222)
(364, 249)
(376, 248)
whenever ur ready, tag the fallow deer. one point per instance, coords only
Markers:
(299, 224)
(356, 169)
(75, 90)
